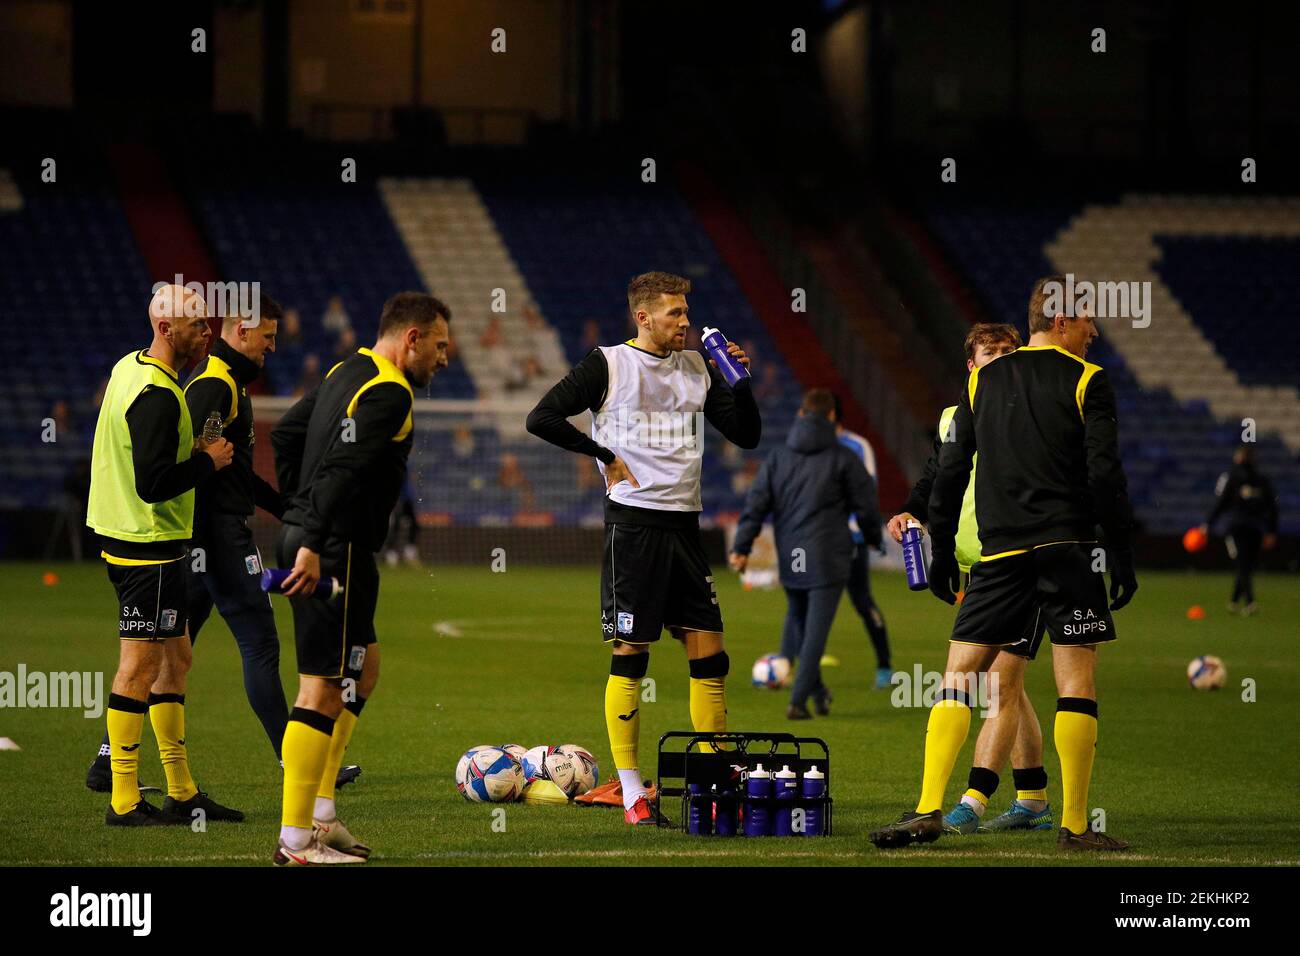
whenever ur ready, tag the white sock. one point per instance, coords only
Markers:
(632, 786)
(974, 804)
(295, 838)
(324, 810)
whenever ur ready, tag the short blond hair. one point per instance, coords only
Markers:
(645, 289)
(1039, 320)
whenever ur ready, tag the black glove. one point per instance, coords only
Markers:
(945, 576)
(1123, 581)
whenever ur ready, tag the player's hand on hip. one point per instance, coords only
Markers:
(945, 577)
(618, 471)
(220, 451)
(736, 352)
(738, 561)
(305, 574)
(898, 524)
(1123, 580)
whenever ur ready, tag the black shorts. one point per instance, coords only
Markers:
(151, 599)
(1010, 601)
(652, 578)
(331, 635)
(226, 571)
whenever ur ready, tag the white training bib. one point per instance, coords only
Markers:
(653, 419)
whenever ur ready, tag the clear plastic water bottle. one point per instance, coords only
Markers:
(212, 427)
(914, 557)
(716, 344)
(814, 788)
(786, 783)
(758, 812)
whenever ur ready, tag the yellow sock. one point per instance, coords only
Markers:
(1032, 795)
(167, 714)
(1076, 745)
(623, 718)
(343, 728)
(305, 749)
(944, 735)
(125, 727)
(709, 705)
(709, 694)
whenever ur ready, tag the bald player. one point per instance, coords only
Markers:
(144, 467)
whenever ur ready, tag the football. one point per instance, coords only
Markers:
(560, 768)
(585, 769)
(771, 671)
(1207, 673)
(515, 750)
(489, 775)
(534, 762)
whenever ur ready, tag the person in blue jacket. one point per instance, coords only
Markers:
(809, 486)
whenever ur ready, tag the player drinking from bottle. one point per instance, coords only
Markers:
(645, 396)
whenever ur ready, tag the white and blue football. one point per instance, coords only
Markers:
(771, 671)
(489, 775)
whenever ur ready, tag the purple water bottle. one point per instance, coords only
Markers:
(700, 819)
(273, 581)
(914, 557)
(724, 820)
(716, 344)
(758, 812)
(814, 788)
(787, 789)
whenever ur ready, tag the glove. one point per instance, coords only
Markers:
(1123, 581)
(945, 576)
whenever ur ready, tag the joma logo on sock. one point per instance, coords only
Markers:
(73, 909)
(80, 689)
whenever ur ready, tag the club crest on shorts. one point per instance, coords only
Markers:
(167, 619)
(253, 563)
(624, 622)
(356, 657)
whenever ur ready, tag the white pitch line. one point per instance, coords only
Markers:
(905, 855)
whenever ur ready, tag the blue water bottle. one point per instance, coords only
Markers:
(758, 812)
(700, 821)
(914, 557)
(273, 582)
(787, 789)
(724, 819)
(716, 344)
(814, 788)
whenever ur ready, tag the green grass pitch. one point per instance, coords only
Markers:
(1187, 777)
